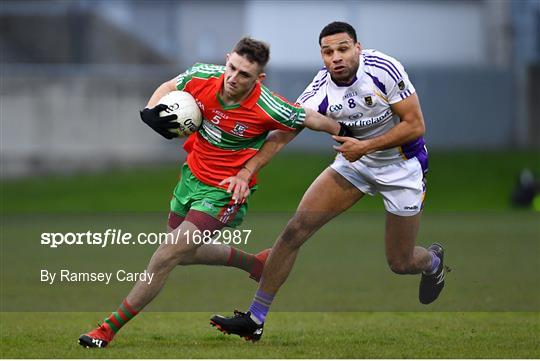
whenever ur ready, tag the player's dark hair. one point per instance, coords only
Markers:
(254, 50)
(338, 27)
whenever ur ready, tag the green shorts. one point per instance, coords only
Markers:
(191, 193)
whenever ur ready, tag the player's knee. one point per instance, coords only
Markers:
(400, 266)
(169, 256)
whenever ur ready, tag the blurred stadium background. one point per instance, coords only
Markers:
(76, 72)
(75, 156)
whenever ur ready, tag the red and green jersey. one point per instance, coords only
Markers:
(231, 134)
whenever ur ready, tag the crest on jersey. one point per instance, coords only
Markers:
(401, 85)
(239, 129)
(368, 99)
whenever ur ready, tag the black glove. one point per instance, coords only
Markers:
(344, 131)
(163, 125)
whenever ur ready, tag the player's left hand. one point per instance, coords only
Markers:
(351, 148)
(163, 125)
(238, 186)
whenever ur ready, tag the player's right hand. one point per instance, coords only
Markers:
(351, 148)
(165, 126)
(238, 186)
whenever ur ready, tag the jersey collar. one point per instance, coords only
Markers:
(360, 71)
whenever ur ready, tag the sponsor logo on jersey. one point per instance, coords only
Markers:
(210, 132)
(355, 116)
(335, 108)
(239, 129)
(371, 121)
(350, 95)
(218, 115)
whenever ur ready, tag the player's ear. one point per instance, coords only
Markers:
(227, 56)
(261, 77)
(358, 47)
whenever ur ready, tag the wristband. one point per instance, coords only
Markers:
(345, 131)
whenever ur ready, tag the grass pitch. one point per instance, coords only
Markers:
(341, 301)
(287, 335)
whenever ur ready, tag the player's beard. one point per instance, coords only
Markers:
(230, 91)
(346, 75)
(237, 93)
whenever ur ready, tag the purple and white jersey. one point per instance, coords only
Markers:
(364, 104)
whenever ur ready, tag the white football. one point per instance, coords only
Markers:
(184, 106)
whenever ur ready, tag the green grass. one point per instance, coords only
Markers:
(287, 335)
(489, 308)
(341, 300)
(466, 181)
(494, 259)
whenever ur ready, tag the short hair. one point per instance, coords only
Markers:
(338, 27)
(254, 50)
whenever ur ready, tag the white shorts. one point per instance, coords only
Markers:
(400, 184)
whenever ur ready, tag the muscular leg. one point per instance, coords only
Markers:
(164, 259)
(329, 195)
(401, 253)
(167, 256)
(207, 254)
(218, 254)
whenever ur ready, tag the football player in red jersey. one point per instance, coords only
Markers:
(238, 114)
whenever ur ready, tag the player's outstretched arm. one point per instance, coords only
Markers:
(275, 141)
(239, 184)
(160, 92)
(321, 123)
(410, 128)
